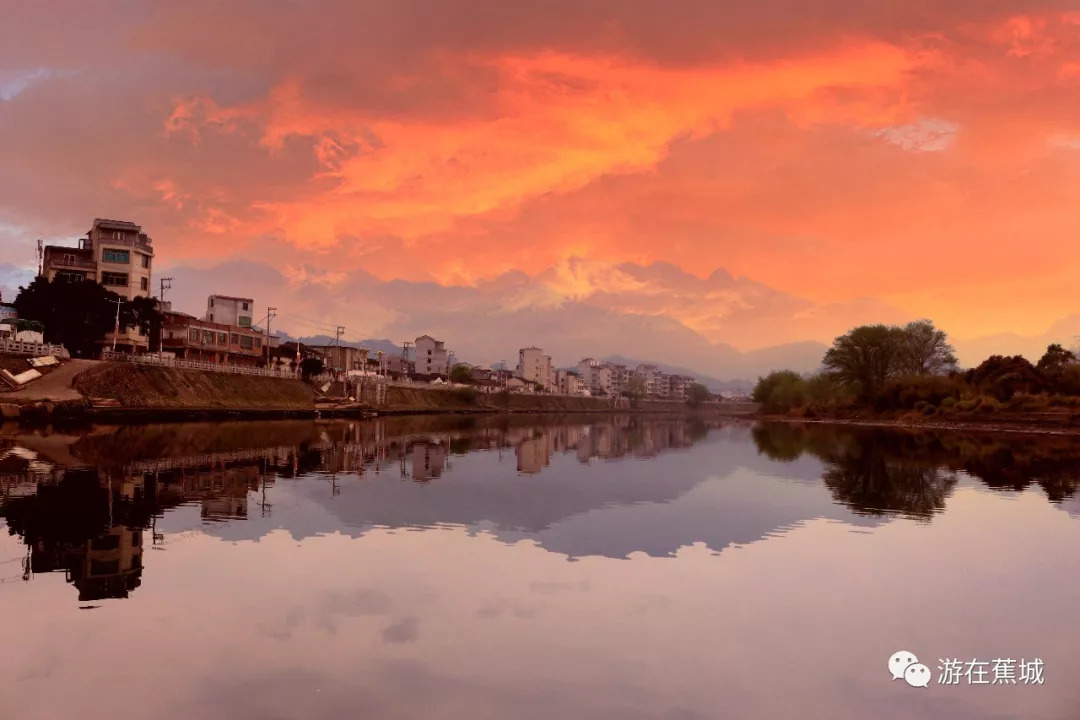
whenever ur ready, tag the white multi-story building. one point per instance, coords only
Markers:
(431, 356)
(229, 310)
(534, 366)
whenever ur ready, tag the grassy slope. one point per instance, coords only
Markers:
(137, 386)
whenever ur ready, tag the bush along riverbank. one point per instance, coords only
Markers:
(908, 375)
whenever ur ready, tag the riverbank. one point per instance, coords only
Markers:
(127, 393)
(1064, 422)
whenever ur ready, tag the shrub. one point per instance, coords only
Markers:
(948, 403)
(987, 404)
(906, 393)
(780, 391)
(1003, 377)
(467, 395)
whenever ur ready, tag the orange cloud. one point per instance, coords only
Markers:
(558, 123)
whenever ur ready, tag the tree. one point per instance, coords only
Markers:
(1056, 358)
(866, 357)
(1003, 377)
(143, 313)
(76, 315)
(780, 391)
(697, 394)
(635, 388)
(924, 350)
(461, 373)
(311, 366)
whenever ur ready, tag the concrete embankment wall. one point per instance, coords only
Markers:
(142, 386)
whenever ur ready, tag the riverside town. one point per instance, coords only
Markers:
(453, 360)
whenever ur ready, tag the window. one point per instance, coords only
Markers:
(193, 335)
(145, 260)
(211, 317)
(245, 306)
(208, 337)
(114, 279)
(144, 283)
(211, 302)
(243, 321)
(136, 537)
(105, 542)
(122, 257)
(258, 342)
(246, 342)
(69, 276)
(235, 339)
(222, 339)
(118, 234)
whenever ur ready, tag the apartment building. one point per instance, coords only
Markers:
(534, 366)
(431, 356)
(568, 382)
(116, 254)
(678, 386)
(230, 310)
(193, 339)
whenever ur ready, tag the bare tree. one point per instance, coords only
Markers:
(924, 350)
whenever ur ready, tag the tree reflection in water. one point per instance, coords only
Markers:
(908, 472)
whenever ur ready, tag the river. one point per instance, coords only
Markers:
(527, 567)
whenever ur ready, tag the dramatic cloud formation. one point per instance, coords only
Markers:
(629, 159)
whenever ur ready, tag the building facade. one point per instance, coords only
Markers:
(230, 310)
(190, 338)
(431, 356)
(534, 366)
(116, 254)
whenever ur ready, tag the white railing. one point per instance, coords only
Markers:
(35, 349)
(151, 359)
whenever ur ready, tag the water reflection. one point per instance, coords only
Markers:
(421, 567)
(879, 471)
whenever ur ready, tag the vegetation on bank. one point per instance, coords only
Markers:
(911, 370)
(78, 315)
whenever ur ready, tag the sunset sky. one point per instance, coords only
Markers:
(624, 171)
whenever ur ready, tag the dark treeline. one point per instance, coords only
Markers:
(913, 368)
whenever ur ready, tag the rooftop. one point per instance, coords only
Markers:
(117, 224)
(232, 297)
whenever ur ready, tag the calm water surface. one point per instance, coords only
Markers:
(579, 568)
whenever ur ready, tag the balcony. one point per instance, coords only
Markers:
(63, 263)
(128, 242)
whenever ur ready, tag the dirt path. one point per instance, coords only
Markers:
(56, 386)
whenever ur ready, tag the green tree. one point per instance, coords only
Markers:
(866, 357)
(1056, 358)
(76, 315)
(635, 388)
(697, 394)
(143, 313)
(311, 366)
(924, 350)
(461, 373)
(780, 391)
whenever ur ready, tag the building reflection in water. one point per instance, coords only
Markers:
(90, 522)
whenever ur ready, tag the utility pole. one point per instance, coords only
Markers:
(116, 327)
(405, 358)
(166, 284)
(271, 313)
(449, 363)
(337, 343)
